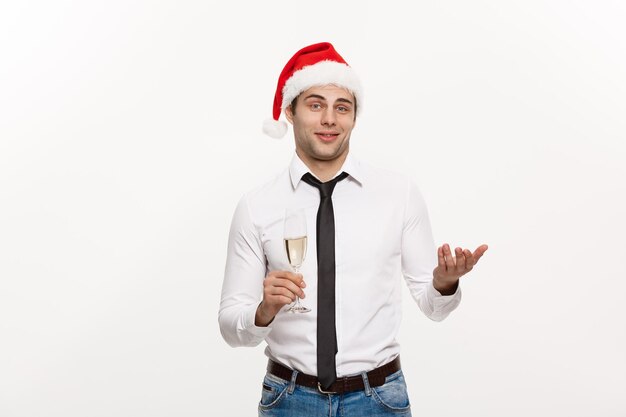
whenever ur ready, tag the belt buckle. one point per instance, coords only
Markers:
(319, 388)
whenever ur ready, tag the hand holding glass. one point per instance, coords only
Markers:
(295, 245)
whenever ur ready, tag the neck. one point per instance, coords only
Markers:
(324, 170)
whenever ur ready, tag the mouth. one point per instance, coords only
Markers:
(327, 136)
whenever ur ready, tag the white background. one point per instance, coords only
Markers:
(130, 129)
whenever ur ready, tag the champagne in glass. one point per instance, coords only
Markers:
(295, 246)
(296, 251)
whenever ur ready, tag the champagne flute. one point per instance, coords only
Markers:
(295, 245)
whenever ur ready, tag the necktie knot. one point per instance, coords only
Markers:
(326, 188)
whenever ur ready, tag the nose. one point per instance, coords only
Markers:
(328, 117)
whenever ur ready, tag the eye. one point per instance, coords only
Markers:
(316, 106)
(343, 109)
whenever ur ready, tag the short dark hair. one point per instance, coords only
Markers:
(294, 103)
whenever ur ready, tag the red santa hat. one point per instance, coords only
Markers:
(313, 65)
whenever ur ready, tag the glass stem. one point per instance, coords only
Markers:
(297, 303)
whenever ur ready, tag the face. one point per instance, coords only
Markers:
(322, 123)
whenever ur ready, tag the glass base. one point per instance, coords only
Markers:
(298, 309)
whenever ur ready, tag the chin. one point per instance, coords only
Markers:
(329, 156)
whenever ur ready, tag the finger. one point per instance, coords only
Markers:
(469, 259)
(289, 285)
(283, 300)
(460, 260)
(276, 302)
(283, 292)
(440, 258)
(479, 252)
(297, 279)
(448, 257)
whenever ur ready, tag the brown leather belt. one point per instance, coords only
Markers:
(375, 377)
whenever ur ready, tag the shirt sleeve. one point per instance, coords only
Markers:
(419, 259)
(242, 288)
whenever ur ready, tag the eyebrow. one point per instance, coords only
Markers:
(342, 100)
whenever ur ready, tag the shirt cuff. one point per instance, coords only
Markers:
(248, 325)
(440, 301)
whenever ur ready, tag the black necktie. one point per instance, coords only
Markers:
(326, 333)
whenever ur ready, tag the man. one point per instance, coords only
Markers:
(370, 227)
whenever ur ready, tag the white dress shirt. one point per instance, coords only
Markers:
(382, 232)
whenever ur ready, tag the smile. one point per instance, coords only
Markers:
(327, 136)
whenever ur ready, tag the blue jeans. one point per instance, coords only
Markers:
(282, 398)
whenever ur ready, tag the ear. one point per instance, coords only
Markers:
(289, 114)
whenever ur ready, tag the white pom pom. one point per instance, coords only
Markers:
(274, 128)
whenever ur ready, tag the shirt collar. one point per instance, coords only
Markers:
(351, 165)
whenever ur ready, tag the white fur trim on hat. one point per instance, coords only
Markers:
(322, 73)
(274, 128)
